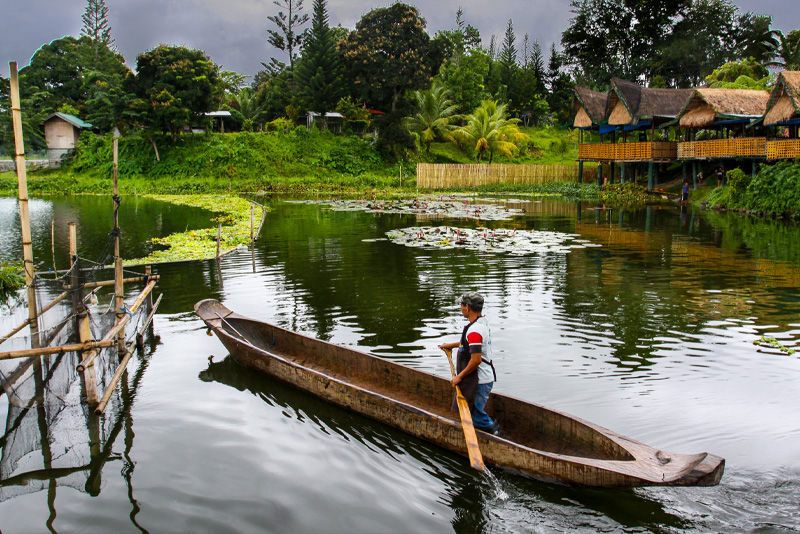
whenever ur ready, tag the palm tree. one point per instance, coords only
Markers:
(489, 128)
(787, 52)
(435, 116)
(246, 101)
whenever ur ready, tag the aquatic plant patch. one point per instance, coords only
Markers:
(518, 242)
(232, 211)
(450, 207)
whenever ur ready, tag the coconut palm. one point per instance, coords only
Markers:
(786, 54)
(435, 116)
(246, 102)
(489, 128)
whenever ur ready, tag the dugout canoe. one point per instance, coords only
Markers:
(539, 442)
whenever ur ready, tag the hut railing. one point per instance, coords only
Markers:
(753, 147)
(783, 149)
(642, 151)
(439, 176)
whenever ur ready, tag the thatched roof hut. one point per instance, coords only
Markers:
(784, 102)
(588, 107)
(706, 106)
(630, 103)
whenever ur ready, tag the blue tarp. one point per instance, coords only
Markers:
(630, 127)
(606, 128)
(731, 122)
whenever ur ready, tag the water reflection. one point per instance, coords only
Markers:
(52, 439)
(651, 334)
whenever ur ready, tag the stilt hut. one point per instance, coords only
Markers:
(783, 110)
(589, 112)
(729, 113)
(588, 108)
(634, 110)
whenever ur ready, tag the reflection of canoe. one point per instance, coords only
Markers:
(540, 442)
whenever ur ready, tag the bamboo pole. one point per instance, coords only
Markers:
(60, 349)
(105, 283)
(89, 372)
(219, 237)
(252, 221)
(120, 324)
(112, 385)
(24, 211)
(49, 306)
(53, 246)
(119, 293)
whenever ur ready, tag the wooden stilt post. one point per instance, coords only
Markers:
(24, 212)
(611, 166)
(694, 174)
(650, 183)
(600, 174)
(622, 170)
(580, 170)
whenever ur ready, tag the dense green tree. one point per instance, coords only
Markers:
(59, 69)
(176, 86)
(288, 38)
(110, 104)
(490, 129)
(434, 117)
(389, 53)
(600, 39)
(274, 93)
(466, 79)
(702, 40)
(466, 65)
(96, 25)
(560, 86)
(319, 75)
(730, 72)
(33, 115)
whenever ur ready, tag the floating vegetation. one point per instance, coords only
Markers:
(771, 342)
(502, 240)
(232, 211)
(441, 207)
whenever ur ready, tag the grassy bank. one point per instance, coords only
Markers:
(773, 192)
(297, 162)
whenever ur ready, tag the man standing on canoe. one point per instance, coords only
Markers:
(474, 370)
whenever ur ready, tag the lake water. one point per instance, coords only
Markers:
(650, 334)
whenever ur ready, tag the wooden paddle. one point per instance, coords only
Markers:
(475, 458)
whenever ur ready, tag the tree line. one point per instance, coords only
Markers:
(449, 87)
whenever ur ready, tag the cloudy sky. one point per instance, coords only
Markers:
(233, 32)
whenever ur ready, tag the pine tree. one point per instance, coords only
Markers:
(319, 74)
(96, 25)
(508, 56)
(289, 39)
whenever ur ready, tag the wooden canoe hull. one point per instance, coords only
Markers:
(541, 443)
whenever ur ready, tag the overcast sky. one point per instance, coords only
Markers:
(233, 32)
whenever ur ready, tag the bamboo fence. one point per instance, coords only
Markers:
(439, 176)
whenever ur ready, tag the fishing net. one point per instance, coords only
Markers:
(52, 437)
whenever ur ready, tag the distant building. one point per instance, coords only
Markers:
(61, 132)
